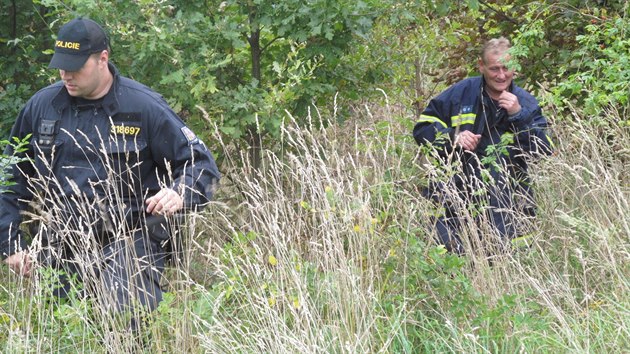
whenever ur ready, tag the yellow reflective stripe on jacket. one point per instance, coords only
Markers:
(431, 119)
(461, 119)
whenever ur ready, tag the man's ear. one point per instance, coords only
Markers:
(104, 56)
(480, 65)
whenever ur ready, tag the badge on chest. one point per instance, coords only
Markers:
(126, 124)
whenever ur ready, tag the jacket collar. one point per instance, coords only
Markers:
(110, 104)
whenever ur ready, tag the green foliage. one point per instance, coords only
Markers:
(576, 49)
(14, 148)
(406, 38)
(23, 39)
(12, 99)
(352, 265)
(495, 151)
(246, 63)
(282, 56)
(433, 287)
(599, 75)
(62, 321)
(568, 45)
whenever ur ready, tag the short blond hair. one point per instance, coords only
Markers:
(495, 46)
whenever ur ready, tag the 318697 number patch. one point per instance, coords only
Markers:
(125, 130)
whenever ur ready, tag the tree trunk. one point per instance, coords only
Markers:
(13, 15)
(253, 134)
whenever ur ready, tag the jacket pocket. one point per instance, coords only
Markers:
(46, 156)
(124, 163)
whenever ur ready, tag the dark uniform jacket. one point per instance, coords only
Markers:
(465, 106)
(113, 153)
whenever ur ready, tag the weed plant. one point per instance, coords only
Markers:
(329, 248)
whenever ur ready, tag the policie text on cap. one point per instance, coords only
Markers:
(76, 41)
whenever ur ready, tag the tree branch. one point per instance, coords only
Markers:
(500, 13)
(262, 50)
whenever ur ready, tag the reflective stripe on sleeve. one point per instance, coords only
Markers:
(468, 118)
(431, 119)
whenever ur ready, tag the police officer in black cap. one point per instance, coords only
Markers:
(108, 166)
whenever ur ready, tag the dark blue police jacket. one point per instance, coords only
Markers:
(107, 154)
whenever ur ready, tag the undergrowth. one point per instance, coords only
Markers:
(329, 248)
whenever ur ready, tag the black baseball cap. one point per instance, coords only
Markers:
(76, 41)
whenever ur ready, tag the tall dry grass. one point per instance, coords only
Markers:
(329, 248)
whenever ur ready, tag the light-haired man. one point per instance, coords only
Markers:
(490, 127)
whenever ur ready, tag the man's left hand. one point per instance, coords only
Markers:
(20, 263)
(165, 202)
(509, 101)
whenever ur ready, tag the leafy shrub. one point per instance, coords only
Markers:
(599, 76)
(15, 147)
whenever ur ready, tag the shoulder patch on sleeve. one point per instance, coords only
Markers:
(190, 136)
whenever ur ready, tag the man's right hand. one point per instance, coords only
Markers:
(467, 140)
(20, 263)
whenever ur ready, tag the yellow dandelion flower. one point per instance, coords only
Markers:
(357, 228)
(271, 301)
(596, 304)
(272, 260)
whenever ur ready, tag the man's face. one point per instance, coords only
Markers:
(497, 75)
(86, 82)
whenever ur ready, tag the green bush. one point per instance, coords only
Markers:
(598, 77)
(13, 148)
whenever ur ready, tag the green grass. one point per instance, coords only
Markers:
(329, 250)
